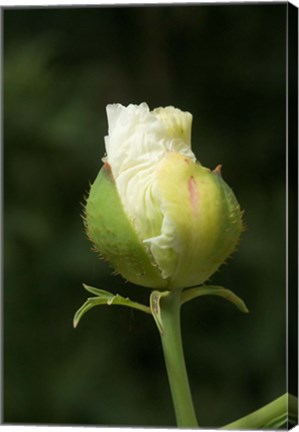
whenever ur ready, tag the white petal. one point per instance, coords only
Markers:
(137, 142)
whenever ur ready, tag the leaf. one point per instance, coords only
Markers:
(192, 293)
(277, 422)
(95, 291)
(289, 416)
(80, 312)
(155, 299)
(275, 414)
(103, 297)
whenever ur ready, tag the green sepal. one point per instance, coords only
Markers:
(205, 221)
(103, 297)
(114, 236)
(155, 308)
(192, 293)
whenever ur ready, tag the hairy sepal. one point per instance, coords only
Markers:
(114, 237)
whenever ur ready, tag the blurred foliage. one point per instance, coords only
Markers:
(226, 65)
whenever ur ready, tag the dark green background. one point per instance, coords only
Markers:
(226, 65)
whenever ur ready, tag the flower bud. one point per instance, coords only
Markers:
(159, 217)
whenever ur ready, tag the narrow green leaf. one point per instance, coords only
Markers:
(122, 301)
(96, 291)
(271, 416)
(155, 299)
(81, 311)
(192, 293)
(103, 297)
(276, 422)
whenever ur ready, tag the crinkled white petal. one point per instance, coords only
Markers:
(165, 247)
(137, 141)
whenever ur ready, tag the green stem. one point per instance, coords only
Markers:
(274, 414)
(175, 362)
